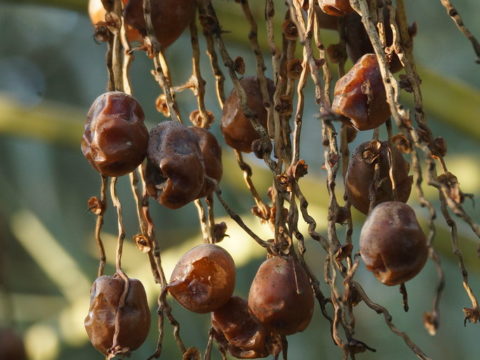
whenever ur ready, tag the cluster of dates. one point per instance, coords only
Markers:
(181, 164)
(280, 300)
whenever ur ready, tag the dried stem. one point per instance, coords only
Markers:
(388, 320)
(457, 19)
(99, 225)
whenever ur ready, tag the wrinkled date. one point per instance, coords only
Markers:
(392, 243)
(360, 95)
(175, 170)
(115, 139)
(236, 127)
(133, 316)
(281, 297)
(360, 177)
(238, 331)
(203, 279)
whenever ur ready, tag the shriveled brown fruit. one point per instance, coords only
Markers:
(11, 345)
(335, 7)
(175, 172)
(115, 139)
(134, 315)
(236, 127)
(97, 13)
(237, 330)
(392, 243)
(212, 158)
(280, 296)
(361, 172)
(169, 18)
(360, 95)
(358, 43)
(203, 279)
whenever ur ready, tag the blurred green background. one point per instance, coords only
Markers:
(51, 70)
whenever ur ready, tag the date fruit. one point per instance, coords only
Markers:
(236, 127)
(134, 315)
(175, 171)
(360, 95)
(237, 330)
(203, 279)
(281, 297)
(115, 139)
(361, 175)
(392, 243)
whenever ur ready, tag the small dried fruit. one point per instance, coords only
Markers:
(175, 171)
(115, 139)
(335, 7)
(392, 243)
(361, 175)
(236, 127)
(203, 279)
(11, 345)
(169, 18)
(280, 296)
(134, 315)
(360, 95)
(212, 158)
(238, 331)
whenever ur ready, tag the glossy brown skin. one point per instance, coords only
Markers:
(212, 158)
(238, 331)
(175, 171)
(11, 346)
(281, 297)
(203, 279)
(335, 7)
(134, 322)
(361, 172)
(115, 139)
(236, 127)
(392, 243)
(97, 13)
(358, 43)
(169, 17)
(360, 95)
